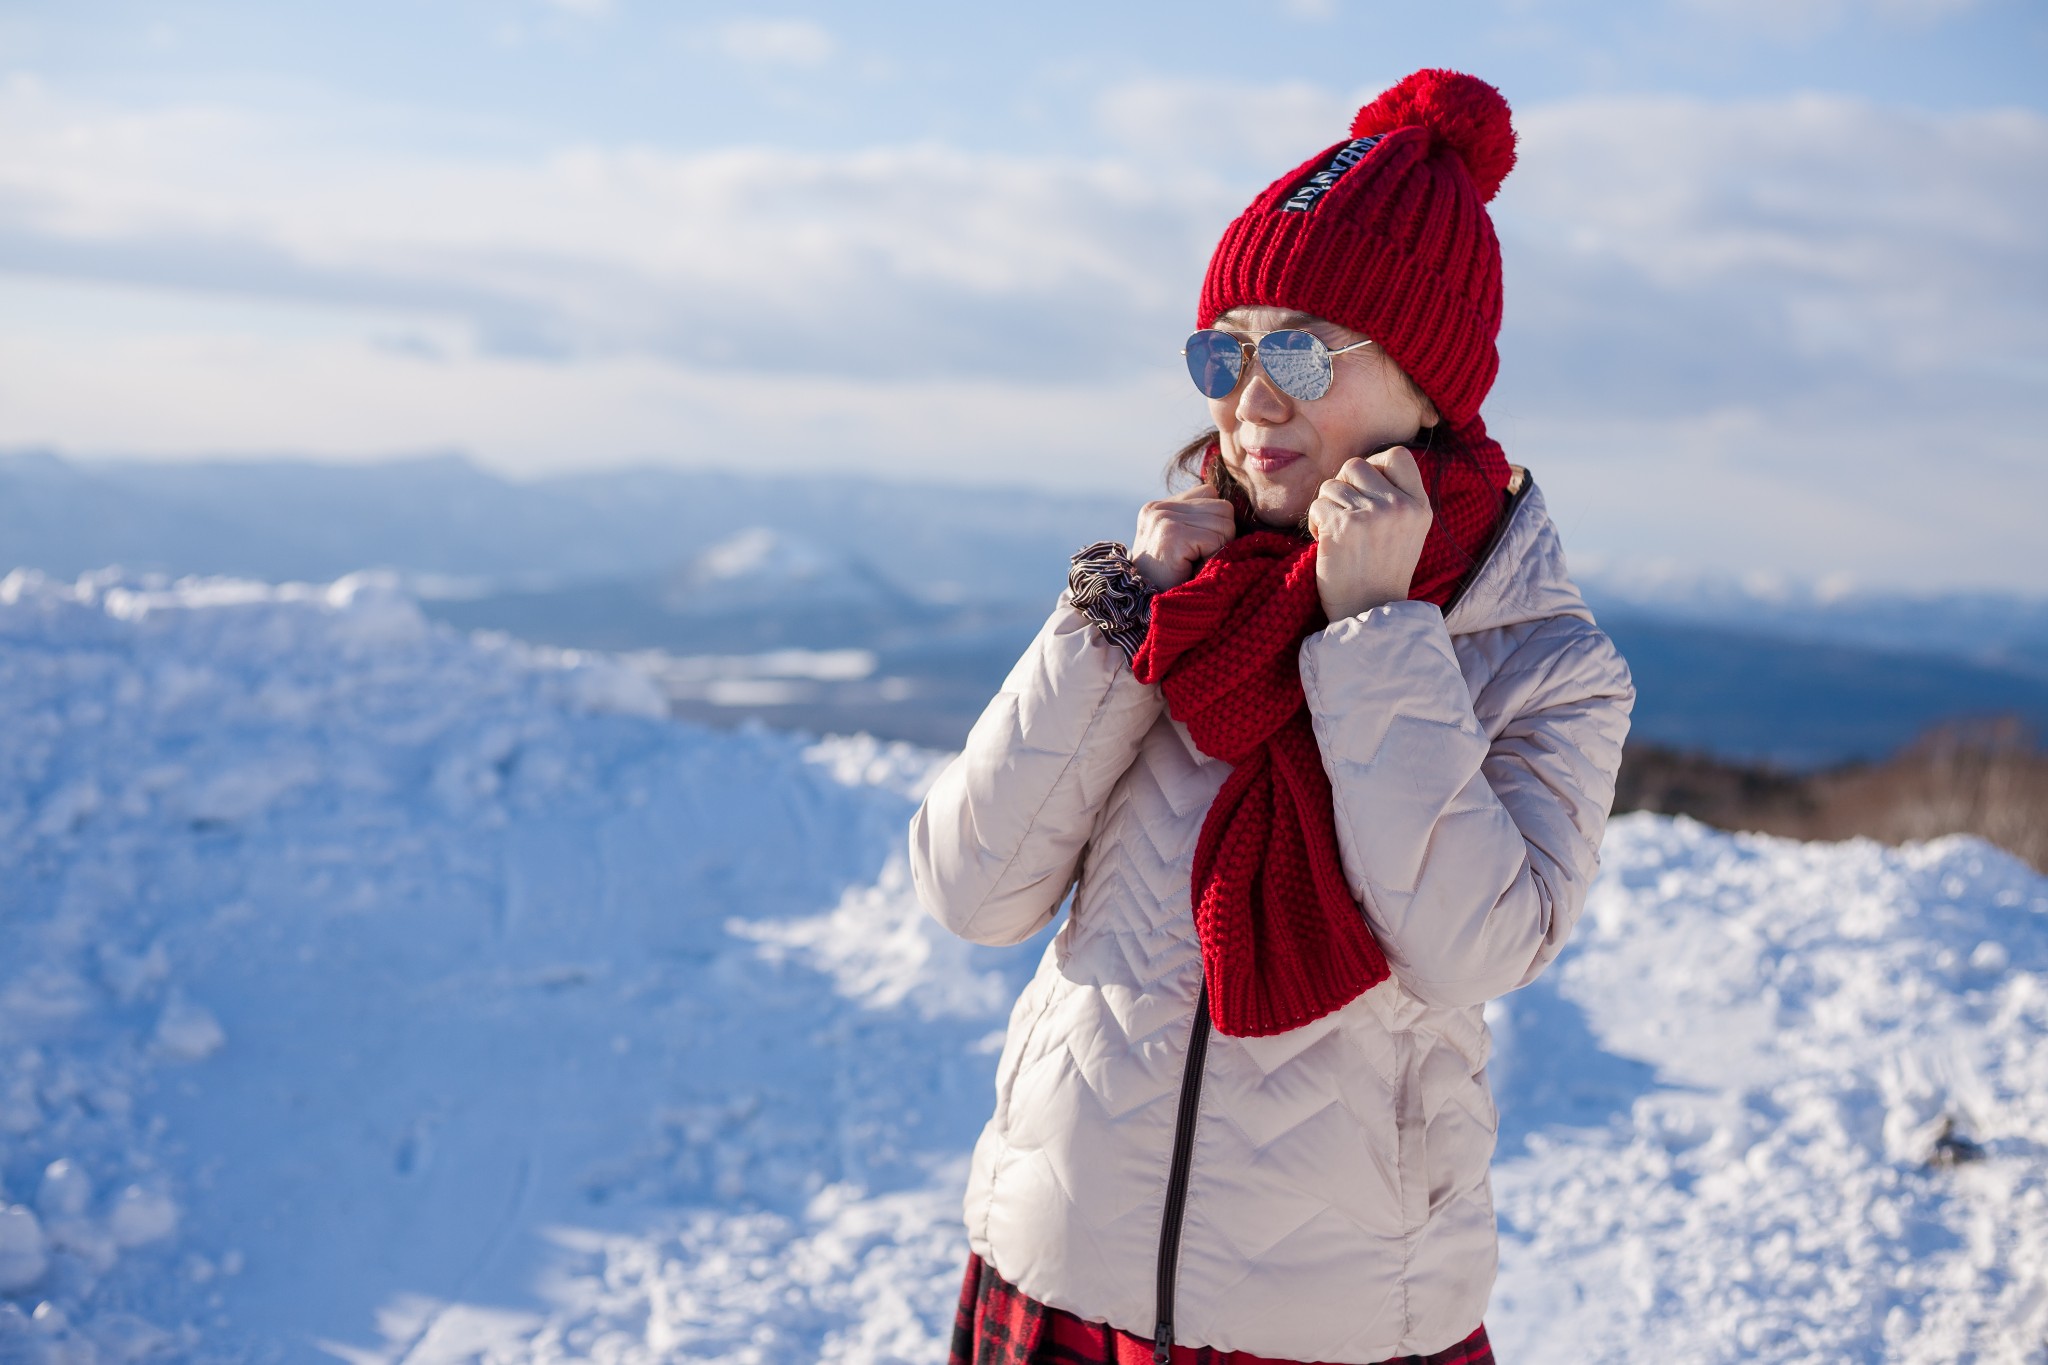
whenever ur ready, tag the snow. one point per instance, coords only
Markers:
(23, 1255)
(1834, 1148)
(375, 993)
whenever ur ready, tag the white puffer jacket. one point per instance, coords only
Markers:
(1337, 1207)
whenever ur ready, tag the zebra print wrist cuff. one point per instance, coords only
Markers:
(1108, 591)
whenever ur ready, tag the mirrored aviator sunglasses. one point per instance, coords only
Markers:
(1298, 362)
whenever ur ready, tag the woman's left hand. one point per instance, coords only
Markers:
(1369, 523)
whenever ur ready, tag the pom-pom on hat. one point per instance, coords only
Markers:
(1387, 234)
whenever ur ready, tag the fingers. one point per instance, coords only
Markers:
(1399, 468)
(1390, 473)
(1337, 502)
(1197, 506)
(1186, 527)
(1387, 483)
(1364, 476)
(1175, 533)
(1202, 500)
(1356, 487)
(1209, 511)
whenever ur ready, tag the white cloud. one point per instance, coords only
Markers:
(1807, 489)
(1804, 333)
(910, 260)
(98, 370)
(776, 42)
(589, 9)
(1895, 242)
(1227, 125)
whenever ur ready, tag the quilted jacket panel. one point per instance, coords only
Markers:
(1338, 1208)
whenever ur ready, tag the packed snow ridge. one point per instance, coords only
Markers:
(370, 992)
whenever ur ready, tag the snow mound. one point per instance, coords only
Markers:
(374, 993)
(357, 979)
(1812, 1095)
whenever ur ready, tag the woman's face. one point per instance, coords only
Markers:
(1281, 449)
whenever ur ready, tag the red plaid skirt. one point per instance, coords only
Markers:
(997, 1325)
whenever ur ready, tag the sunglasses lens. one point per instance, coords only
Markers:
(1298, 362)
(1215, 360)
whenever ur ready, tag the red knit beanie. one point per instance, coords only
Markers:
(1388, 234)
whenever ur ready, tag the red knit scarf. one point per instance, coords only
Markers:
(1283, 943)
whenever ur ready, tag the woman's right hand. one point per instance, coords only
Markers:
(1177, 533)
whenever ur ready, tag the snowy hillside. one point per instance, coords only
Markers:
(371, 992)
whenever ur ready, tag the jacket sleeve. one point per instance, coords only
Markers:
(1470, 853)
(998, 839)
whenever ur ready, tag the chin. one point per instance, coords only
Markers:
(1281, 518)
(1279, 506)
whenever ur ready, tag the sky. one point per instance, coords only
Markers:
(1776, 270)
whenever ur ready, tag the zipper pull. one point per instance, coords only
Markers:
(1162, 1343)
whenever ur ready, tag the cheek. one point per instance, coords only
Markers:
(1354, 424)
(1333, 427)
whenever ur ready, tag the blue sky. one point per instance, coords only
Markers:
(1777, 285)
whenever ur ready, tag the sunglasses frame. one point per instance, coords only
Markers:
(1248, 345)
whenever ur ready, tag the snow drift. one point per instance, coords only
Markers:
(371, 992)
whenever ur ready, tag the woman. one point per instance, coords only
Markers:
(1325, 759)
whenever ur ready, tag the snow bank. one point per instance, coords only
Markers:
(374, 993)
(360, 982)
(1817, 1083)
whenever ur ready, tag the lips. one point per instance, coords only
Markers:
(1270, 460)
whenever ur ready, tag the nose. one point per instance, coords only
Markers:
(1260, 400)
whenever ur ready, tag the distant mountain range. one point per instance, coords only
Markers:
(1802, 704)
(456, 529)
(936, 589)
(2000, 630)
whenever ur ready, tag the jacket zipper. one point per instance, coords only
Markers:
(1198, 1053)
(1177, 1177)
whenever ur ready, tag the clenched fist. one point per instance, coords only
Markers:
(1177, 533)
(1369, 523)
